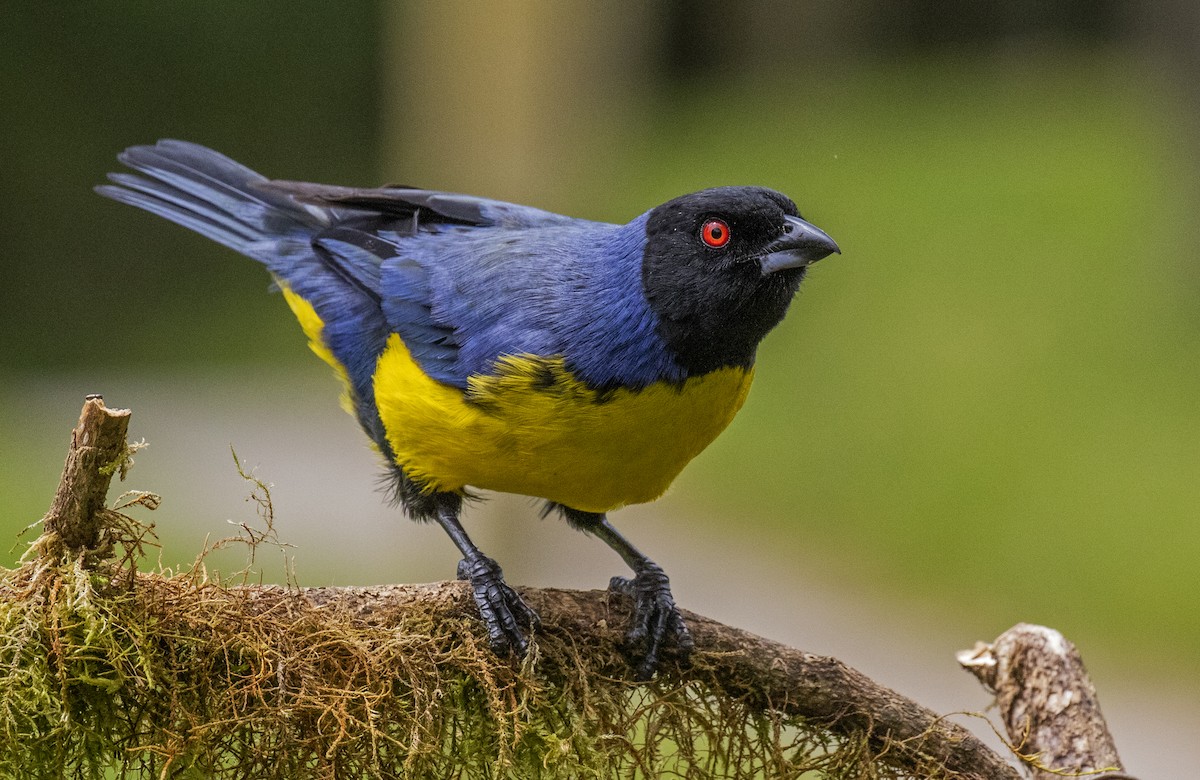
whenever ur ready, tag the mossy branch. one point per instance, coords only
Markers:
(169, 675)
(762, 673)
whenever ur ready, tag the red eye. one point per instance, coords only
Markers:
(715, 233)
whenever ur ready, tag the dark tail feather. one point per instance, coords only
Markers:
(209, 193)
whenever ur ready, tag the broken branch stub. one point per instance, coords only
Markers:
(97, 451)
(1047, 701)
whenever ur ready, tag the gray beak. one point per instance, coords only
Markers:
(801, 244)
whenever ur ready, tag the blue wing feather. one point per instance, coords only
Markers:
(358, 265)
(432, 207)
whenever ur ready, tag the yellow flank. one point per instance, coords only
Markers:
(312, 325)
(534, 429)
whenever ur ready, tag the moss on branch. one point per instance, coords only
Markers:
(107, 670)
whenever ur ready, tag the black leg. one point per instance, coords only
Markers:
(655, 616)
(504, 612)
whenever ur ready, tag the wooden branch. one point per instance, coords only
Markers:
(739, 663)
(727, 660)
(97, 451)
(1047, 702)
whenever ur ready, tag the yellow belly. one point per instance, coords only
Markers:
(534, 429)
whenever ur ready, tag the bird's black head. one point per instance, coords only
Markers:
(720, 268)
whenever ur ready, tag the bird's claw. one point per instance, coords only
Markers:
(504, 612)
(655, 619)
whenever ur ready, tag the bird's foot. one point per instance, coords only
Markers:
(656, 619)
(504, 612)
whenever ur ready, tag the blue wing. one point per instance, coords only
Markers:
(455, 276)
(459, 297)
(466, 280)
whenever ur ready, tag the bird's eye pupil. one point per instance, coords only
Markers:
(715, 233)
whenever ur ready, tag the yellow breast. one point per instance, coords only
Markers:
(532, 428)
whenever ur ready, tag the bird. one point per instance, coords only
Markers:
(486, 345)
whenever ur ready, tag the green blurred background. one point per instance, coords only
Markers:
(984, 411)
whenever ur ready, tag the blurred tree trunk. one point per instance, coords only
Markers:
(511, 100)
(1171, 35)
